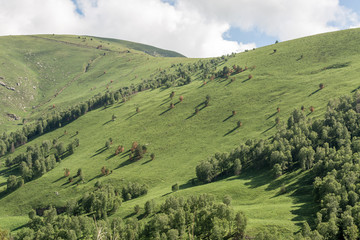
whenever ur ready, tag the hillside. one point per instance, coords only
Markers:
(287, 78)
(40, 71)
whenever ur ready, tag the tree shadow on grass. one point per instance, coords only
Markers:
(268, 129)
(272, 115)
(146, 162)
(99, 151)
(165, 101)
(167, 110)
(244, 81)
(131, 116)
(355, 89)
(314, 92)
(125, 163)
(108, 122)
(166, 194)
(231, 131)
(14, 170)
(110, 156)
(130, 215)
(59, 179)
(228, 118)
(97, 176)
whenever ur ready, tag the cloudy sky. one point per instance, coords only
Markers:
(195, 28)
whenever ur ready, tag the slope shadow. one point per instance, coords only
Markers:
(232, 130)
(314, 92)
(228, 118)
(271, 115)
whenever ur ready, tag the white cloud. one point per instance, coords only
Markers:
(194, 28)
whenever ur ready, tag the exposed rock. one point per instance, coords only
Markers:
(2, 84)
(13, 116)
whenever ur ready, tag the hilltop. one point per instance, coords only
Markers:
(273, 82)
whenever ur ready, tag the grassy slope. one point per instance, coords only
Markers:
(44, 65)
(181, 141)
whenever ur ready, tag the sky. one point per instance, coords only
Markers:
(195, 28)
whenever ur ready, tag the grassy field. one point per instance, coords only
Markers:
(288, 78)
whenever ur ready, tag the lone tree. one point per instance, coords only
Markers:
(302, 108)
(250, 76)
(137, 109)
(171, 106)
(239, 124)
(152, 156)
(233, 112)
(312, 109)
(66, 172)
(321, 86)
(278, 109)
(175, 187)
(172, 94)
(277, 120)
(113, 117)
(181, 98)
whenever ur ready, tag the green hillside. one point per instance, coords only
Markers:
(287, 78)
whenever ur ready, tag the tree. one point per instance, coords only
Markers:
(227, 200)
(149, 207)
(152, 156)
(312, 109)
(277, 170)
(113, 117)
(237, 166)
(175, 187)
(239, 124)
(136, 209)
(107, 144)
(240, 223)
(79, 172)
(321, 86)
(233, 112)
(205, 171)
(172, 94)
(66, 172)
(137, 109)
(12, 183)
(278, 109)
(181, 98)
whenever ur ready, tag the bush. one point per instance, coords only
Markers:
(136, 209)
(227, 200)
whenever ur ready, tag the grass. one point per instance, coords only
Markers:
(180, 139)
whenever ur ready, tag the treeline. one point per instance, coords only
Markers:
(164, 78)
(197, 217)
(37, 160)
(330, 148)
